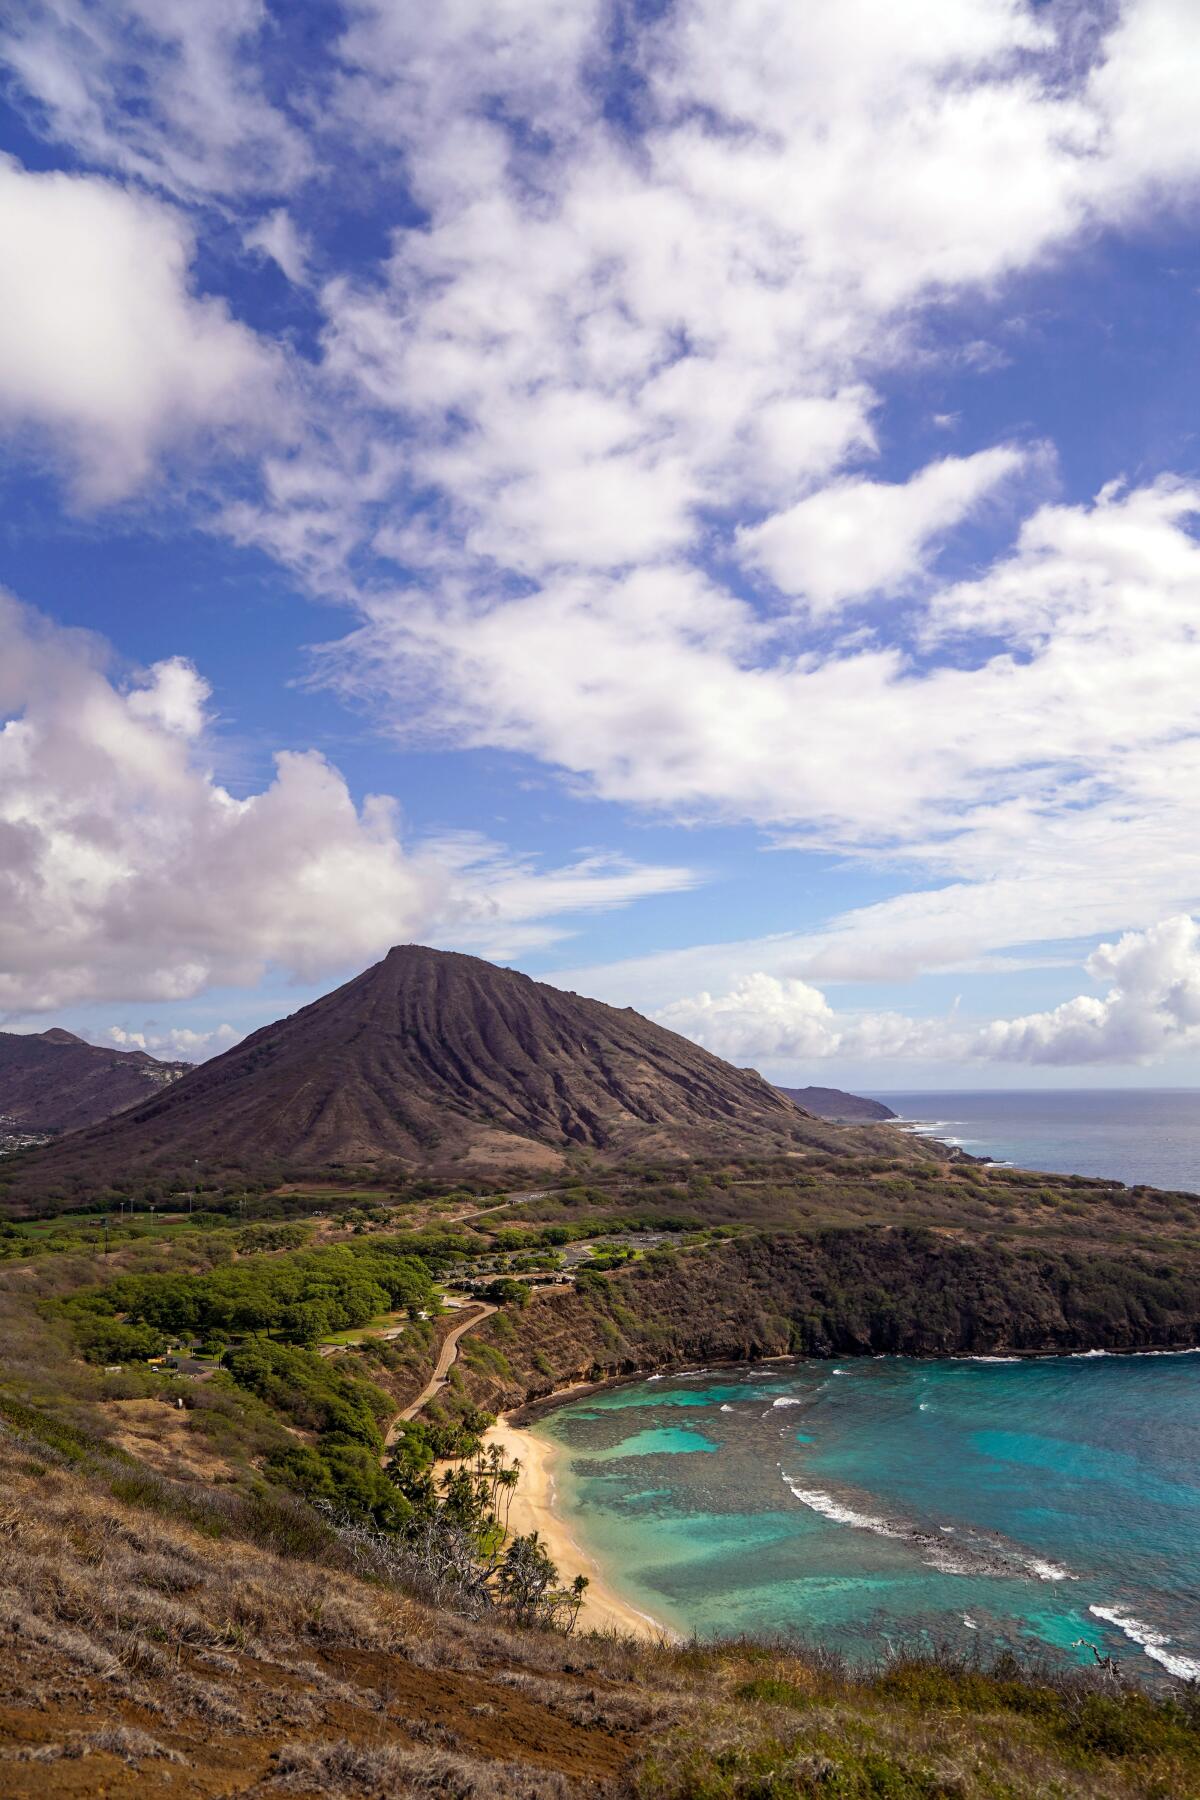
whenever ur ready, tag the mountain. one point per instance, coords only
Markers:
(831, 1103)
(445, 1064)
(53, 1081)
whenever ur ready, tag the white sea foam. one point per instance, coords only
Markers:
(969, 1622)
(829, 1508)
(726, 1409)
(1048, 1571)
(993, 1359)
(1152, 1642)
(984, 1555)
(786, 1400)
(924, 1406)
(936, 1555)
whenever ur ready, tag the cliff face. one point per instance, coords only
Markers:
(54, 1081)
(837, 1293)
(441, 1062)
(832, 1103)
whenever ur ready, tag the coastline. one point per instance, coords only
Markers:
(533, 1509)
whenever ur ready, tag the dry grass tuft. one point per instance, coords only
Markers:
(391, 1771)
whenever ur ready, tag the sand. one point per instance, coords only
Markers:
(533, 1510)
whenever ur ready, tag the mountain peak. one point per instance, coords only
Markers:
(55, 1081)
(444, 1062)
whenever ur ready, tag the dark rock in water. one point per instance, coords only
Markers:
(831, 1103)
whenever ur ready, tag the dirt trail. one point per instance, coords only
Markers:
(447, 1357)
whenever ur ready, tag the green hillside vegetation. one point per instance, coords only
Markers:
(300, 1296)
(271, 1444)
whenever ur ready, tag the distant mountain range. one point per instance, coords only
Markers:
(831, 1103)
(54, 1081)
(444, 1064)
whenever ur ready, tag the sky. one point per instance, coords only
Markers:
(693, 499)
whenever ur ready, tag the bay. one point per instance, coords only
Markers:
(1046, 1506)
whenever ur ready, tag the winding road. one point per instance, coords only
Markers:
(447, 1357)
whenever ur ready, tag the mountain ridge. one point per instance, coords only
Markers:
(442, 1062)
(54, 1081)
(834, 1103)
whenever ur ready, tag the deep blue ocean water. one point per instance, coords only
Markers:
(1130, 1134)
(1044, 1505)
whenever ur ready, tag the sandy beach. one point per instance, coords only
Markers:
(533, 1510)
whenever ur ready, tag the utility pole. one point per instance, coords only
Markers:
(106, 1236)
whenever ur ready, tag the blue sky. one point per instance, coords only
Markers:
(696, 500)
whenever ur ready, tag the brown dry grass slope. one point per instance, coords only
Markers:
(148, 1645)
(439, 1062)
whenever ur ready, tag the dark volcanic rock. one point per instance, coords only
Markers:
(53, 1081)
(831, 1103)
(440, 1061)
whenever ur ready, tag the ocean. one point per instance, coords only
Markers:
(1044, 1506)
(1128, 1134)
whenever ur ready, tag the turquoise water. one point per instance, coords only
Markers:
(868, 1504)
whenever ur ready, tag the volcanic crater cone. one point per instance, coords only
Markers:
(438, 1060)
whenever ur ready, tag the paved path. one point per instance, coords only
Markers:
(447, 1357)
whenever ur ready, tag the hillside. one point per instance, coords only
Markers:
(440, 1062)
(54, 1081)
(177, 1618)
(832, 1103)
(158, 1638)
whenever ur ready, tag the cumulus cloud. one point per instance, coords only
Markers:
(625, 361)
(178, 1043)
(854, 536)
(1151, 1009)
(765, 1018)
(276, 236)
(1152, 1006)
(624, 384)
(104, 349)
(127, 870)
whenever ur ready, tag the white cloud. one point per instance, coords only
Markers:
(609, 357)
(855, 537)
(606, 348)
(768, 1019)
(1151, 1009)
(178, 1043)
(761, 1017)
(127, 871)
(1061, 723)
(104, 350)
(163, 90)
(277, 237)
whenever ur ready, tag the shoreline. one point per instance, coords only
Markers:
(533, 1509)
(534, 1498)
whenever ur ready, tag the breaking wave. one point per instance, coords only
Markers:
(977, 1555)
(1152, 1642)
